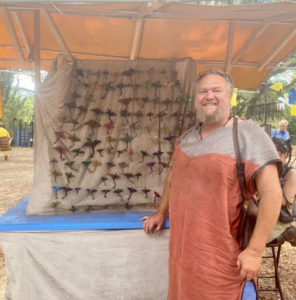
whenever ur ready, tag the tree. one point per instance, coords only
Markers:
(18, 104)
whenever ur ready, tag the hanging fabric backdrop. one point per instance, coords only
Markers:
(105, 133)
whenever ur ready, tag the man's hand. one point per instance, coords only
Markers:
(153, 223)
(249, 264)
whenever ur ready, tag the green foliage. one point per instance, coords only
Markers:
(17, 105)
(20, 108)
(292, 129)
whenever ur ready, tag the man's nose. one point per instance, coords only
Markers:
(209, 94)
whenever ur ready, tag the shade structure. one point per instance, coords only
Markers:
(247, 40)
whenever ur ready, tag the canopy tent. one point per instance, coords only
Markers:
(248, 40)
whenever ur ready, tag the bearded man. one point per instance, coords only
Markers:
(203, 198)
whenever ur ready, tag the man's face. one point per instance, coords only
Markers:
(212, 100)
(283, 127)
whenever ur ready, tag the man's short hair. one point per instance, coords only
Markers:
(1, 124)
(221, 73)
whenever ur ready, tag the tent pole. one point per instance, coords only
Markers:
(37, 48)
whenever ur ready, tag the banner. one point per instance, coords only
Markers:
(293, 110)
(292, 96)
(234, 98)
(278, 86)
(1, 108)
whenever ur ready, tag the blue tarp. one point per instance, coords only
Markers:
(16, 220)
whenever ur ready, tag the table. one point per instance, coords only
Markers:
(82, 256)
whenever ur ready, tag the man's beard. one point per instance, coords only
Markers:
(214, 118)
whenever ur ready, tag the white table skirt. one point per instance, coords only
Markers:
(86, 265)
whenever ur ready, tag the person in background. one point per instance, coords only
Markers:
(4, 140)
(203, 198)
(285, 229)
(281, 133)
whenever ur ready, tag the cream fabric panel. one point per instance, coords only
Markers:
(94, 120)
(80, 265)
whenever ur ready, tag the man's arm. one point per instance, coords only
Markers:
(155, 222)
(249, 260)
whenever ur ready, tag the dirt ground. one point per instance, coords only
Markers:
(17, 177)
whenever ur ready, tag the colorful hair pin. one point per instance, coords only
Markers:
(63, 119)
(110, 150)
(129, 176)
(158, 154)
(150, 115)
(81, 110)
(123, 165)
(53, 161)
(138, 175)
(105, 192)
(92, 193)
(131, 192)
(86, 164)
(110, 114)
(77, 152)
(56, 174)
(131, 153)
(104, 179)
(100, 151)
(74, 123)
(163, 165)
(110, 165)
(73, 209)
(127, 139)
(67, 190)
(90, 99)
(139, 114)
(59, 135)
(92, 144)
(111, 140)
(119, 152)
(144, 154)
(70, 164)
(56, 189)
(114, 178)
(73, 138)
(77, 189)
(146, 192)
(55, 204)
(120, 86)
(71, 106)
(92, 124)
(161, 115)
(61, 151)
(129, 73)
(69, 176)
(118, 192)
(135, 126)
(151, 165)
(156, 86)
(98, 112)
(125, 114)
(167, 102)
(107, 87)
(109, 126)
(96, 164)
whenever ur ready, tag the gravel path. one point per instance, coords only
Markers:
(17, 178)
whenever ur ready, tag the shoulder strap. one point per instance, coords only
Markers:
(240, 167)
